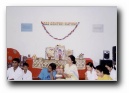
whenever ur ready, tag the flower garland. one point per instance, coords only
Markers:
(58, 38)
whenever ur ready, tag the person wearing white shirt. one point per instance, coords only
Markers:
(90, 74)
(112, 71)
(15, 72)
(27, 75)
(70, 69)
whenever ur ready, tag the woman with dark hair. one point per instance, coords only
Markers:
(112, 70)
(102, 73)
(70, 70)
(90, 73)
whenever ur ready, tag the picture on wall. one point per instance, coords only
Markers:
(59, 52)
(68, 52)
(50, 52)
(26, 27)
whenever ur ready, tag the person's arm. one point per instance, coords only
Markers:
(96, 77)
(66, 75)
(7, 73)
(18, 76)
(51, 75)
(29, 76)
(74, 72)
(86, 76)
(113, 75)
(41, 74)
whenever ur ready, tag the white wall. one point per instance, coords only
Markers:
(83, 40)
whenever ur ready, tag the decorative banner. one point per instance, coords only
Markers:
(57, 24)
(61, 23)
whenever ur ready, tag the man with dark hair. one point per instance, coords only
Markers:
(48, 73)
(27, 75)
(15, 72)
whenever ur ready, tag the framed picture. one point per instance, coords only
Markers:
(49, 53)
(59, 52)
(68, 52)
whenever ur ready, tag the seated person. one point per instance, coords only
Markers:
(102, 73)
(90, 73)
(112, 71)
(70, 69)
(48, 73)
(15, 72)
(27, 75)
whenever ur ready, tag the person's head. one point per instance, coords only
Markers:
(71, 59)
(101, 70)
(25, 66)
(89, 66)
(51, 67)
(109, 66)
(15, 62)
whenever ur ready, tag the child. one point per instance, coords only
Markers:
(27, 75)
(102, 73)
(90, 73)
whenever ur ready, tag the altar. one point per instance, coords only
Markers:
(35, 68)
(41, 63)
